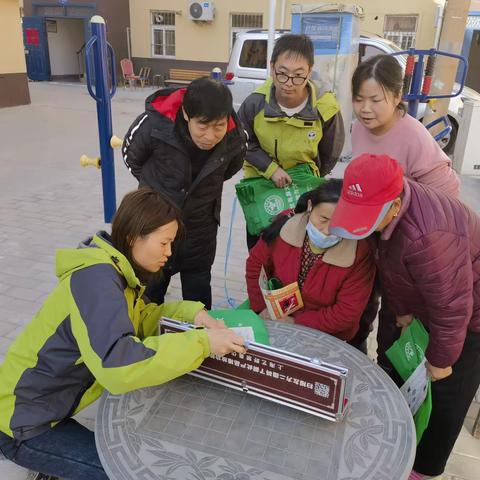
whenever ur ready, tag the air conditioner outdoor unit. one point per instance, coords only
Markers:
(201, 11)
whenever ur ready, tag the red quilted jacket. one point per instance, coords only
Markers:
(429, 262)
(335, 290)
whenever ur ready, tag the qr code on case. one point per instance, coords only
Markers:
(322, 390)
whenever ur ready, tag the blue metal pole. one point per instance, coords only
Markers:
(416, 86)
(102, 95)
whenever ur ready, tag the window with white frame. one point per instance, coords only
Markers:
(242, 22)
(401, 29)
(473, 22)
(163, 34)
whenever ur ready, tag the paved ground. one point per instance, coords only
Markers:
(47, 201)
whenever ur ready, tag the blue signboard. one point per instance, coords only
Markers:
(324, 31)
(331, 33)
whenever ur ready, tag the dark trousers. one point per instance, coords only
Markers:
(359, 341)
(195, 286)
(451, 398)
(387, 334)
(252, 240)
(67, 450)
(387, 331)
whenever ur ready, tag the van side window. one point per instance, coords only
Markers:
(367, 51)
(254, 54)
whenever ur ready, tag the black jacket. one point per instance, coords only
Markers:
(158, 153)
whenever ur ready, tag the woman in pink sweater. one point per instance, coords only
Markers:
(383, 126)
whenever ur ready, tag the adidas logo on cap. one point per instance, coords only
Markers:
(355, 190)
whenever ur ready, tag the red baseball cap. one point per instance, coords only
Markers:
(370, 185)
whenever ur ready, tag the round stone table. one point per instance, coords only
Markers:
(191, 429)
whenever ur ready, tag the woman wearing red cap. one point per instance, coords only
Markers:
(335, 276)
(383, 127)
(428, 249)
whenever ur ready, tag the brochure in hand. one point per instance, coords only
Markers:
(281, 300)
(245, 322)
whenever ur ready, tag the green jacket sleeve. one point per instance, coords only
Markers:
(108, 344)
(151, 314)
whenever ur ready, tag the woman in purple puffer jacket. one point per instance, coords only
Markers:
(428, 254)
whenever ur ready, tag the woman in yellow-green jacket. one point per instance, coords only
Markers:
(95, 331)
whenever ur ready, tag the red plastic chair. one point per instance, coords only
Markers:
(128, 73)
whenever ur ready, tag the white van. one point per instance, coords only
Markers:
(247, 68)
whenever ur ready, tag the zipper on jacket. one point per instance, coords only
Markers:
(78, 398)
(276, 151)
(214, 161)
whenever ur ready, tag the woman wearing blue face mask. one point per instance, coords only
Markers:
(335, 276)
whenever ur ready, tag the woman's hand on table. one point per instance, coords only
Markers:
(437, 373)
(225, 340)
(203, 319)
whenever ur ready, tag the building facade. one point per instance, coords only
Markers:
(13, 71)
(471, 46)
(64, 28)
(164, 36)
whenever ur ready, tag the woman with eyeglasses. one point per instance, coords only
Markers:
(287, 122)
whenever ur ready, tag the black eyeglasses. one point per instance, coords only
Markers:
(284, 78)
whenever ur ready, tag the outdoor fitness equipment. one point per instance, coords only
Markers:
(102, 72)
(418, 81)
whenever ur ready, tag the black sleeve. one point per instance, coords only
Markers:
(240, 149)
(331, 145)
(234, 166)
(136, 148)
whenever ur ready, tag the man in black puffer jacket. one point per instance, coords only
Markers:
(185, 145)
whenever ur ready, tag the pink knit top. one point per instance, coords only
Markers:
(410, 143)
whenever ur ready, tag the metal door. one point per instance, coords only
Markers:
(36, 48)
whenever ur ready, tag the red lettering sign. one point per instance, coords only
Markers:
(32, 36)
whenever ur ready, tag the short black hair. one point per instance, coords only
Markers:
(207, 100)
(327, 192)
(295, 45)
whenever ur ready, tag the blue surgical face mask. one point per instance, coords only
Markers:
(319, 239)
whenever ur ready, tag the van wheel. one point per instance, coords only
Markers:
(447, 144)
